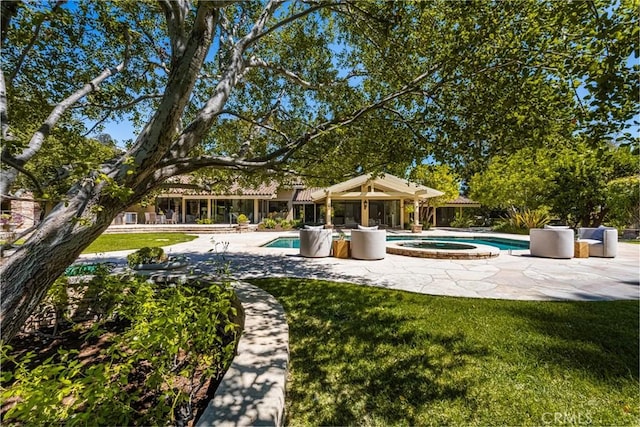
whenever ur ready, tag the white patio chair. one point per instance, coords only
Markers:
(149, 217)
(551, 242)
(603, 241)
(368, 244)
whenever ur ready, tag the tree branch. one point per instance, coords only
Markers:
(157, 136)
(288, 20)
(4, 116)
(211, 110)
(254, 62)
(123, 106)
(9, 161)
(98, 123)
(255, 123)
(36, 141)
(175, 12)
(56, 114)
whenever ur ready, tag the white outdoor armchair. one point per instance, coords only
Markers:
(368, 244)
(315, 243)
(551, 242)
(603, 241)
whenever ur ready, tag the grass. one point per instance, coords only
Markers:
(119, 242)
(375, 357)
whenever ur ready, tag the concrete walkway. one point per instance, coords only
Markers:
(252, 391)
(514, 275)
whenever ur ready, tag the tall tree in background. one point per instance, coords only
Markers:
(331, 88)
(572, 181)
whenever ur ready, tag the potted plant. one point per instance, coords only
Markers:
(154, 259)
(243, 219)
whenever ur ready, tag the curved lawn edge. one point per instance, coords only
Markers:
(252, 392)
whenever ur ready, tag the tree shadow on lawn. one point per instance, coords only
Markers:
(252, 266)
(355, 357)
(599, 338)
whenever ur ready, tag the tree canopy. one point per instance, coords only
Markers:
(326, 89)
(573, 181)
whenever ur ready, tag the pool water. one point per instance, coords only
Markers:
(499, 242)
(450, 246)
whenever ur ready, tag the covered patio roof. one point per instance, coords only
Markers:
(385, 186)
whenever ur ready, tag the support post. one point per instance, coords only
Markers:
(416, 227)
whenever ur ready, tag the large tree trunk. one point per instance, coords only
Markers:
(28, 273)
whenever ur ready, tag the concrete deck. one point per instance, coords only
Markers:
(514, 275)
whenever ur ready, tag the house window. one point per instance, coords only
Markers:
(196, 209)
(384, 212)
(278, 208)
(347, 213)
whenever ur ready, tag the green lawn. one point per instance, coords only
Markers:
(375, 357)
(119, 242)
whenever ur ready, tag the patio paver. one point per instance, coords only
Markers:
(512, 275)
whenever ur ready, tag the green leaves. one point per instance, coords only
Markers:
(570, 179)
(170, 332)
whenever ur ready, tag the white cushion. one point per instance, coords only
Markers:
(314, 227)
(362, 227)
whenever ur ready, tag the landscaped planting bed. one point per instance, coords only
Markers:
(116, 352)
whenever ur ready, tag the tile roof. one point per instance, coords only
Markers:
(304, 195)
(462, 200)
(263, 190)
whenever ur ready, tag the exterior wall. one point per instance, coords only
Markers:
(28, 211)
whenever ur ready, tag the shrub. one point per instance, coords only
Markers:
(522, 222)
(148, 371)
(286, 224)
(242, 218)
(461, 221)
(269, 223)
(146, 255)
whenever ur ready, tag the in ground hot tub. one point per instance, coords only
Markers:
(442, 249)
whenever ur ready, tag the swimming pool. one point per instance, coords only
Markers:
(501, 243)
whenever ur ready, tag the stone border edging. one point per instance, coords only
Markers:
(252, 392)
(478, 252)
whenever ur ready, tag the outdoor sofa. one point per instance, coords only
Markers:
(603, 241)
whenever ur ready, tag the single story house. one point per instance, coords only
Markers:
(383, 200)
